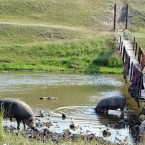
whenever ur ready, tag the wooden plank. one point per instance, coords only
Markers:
(130, 50)
(131, 54)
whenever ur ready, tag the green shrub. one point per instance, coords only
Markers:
(115, 61)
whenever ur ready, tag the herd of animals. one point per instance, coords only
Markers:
(15, 108)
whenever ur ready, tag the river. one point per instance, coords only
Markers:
(74, 95)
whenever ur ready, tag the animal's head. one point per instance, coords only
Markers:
(30, 122)
(98, 109)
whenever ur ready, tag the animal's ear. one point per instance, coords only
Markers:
(30, 120)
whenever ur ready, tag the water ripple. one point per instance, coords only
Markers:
(15, 82)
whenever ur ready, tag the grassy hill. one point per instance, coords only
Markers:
(58, 35)
(137, 21)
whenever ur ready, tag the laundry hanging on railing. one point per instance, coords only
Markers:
(136, 83)
(141, 58)
(133, 69)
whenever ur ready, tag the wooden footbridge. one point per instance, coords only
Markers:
(133, 58)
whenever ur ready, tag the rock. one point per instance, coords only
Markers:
(142, 118)
(56, 140)
(63, 116)
(74, 126)
(142, 130)
(66, 133)
(106, 133)
(90, 136)
(136, 128)
(43, 98)
(51, 98)
(44, 130)
(41, 113)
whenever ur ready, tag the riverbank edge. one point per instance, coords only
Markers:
(93, 70)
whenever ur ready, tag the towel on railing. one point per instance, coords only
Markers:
(141, 58)
(137, 83)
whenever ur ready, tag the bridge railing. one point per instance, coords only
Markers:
(133, 67)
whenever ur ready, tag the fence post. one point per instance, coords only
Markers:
(114, 17)
(120, 44)
(136, 49)
(121, 47)
(131, 71)
(126, 17)
(133, 43)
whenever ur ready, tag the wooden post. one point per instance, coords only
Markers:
(114, 17)
(136, 49)
(126, 17)
(123, 55)
(133, 43)
(120, 44)
(121, 47)
(131, 71)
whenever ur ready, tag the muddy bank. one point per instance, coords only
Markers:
(57, 129)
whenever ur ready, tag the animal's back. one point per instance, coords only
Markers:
(15, 108)
(111, 103)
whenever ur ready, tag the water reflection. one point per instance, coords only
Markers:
(76, 95)
(14, 82)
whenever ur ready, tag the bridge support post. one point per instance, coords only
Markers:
(114, 17)
(134, 41)
(126, 25)
(136, 46)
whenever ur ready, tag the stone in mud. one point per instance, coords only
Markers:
(106, 133)
(63, 116)
(14, 108)
(51, 98)
(40, 114)
(44, 130)
(43, 98)
(142, 130)
(111, 103)
(142, 112)
(74, 126)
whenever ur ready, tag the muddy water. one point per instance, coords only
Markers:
(75, 95)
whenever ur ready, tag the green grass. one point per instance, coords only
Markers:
(51, 21)
(1, 127)
(22, 139)
(136, 15)
(58, 35)
(34, 34)
(57, 12)
(81, 56)
(137, 21)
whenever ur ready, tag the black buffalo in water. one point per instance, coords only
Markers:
(111, 103)
(14, 108)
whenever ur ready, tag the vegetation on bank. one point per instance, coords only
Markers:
(91, 55)
(22, 139)
(136, 21)
(76, 13)
(1, 126)
(59, 35)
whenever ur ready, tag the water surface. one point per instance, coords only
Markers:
(75, 95)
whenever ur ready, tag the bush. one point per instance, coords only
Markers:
(115, 61)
